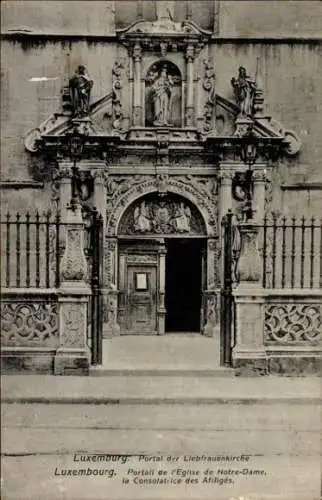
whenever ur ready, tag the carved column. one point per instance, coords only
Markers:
(137, 111)
(190, 53)
(212, 325)
(259, 180)
(226, 176)
(249, 356)
(72, 356)
(99, 176)
(65, 194)
(110, 291)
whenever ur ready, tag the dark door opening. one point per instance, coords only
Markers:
(183, 285)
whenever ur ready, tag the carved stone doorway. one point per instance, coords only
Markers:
(184, 284)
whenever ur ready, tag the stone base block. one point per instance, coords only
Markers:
(287, 366)
(111, 330)
(295, 366)
(251, 367)
(21, 361)
(71, 363)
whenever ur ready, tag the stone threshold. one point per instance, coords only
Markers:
(101, 371)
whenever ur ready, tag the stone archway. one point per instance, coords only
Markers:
(192, 198)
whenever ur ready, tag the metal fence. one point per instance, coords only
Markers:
(292, 252)
(30, 252)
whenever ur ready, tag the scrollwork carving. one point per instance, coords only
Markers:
(120, 122)
(290, 323)
(74, 265)
(29, 323)
(73, 328)
(208, 85)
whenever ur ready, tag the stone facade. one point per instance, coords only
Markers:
(141, 112)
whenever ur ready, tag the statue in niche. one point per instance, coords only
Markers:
(142, 222)
(244, 88)
(162, 91)
(80, 86)
(182, 218)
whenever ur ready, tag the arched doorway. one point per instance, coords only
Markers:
(161, 266)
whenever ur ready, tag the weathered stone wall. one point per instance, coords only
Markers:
(25, 103)
(233, 17)
(271, 18)
(73, 17)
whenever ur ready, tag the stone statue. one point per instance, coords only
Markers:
(80, 86)
(182, 218)
(165, 10)
(161, 218)
(162, 89)
(142, 222)
(244, 87)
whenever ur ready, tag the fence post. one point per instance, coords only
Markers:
(249, 356)
(73, 355)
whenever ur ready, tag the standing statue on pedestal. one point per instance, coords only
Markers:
(244, 87)
(162, 89)
(80, 86)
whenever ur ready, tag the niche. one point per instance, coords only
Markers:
(163, 95)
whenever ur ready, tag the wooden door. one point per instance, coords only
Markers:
(141, 300)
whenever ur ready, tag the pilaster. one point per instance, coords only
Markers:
(259, 180)
(249, 357)
(109, 291)
(73, 355)
(161, 305)
(137, 105)
(190, 54)
(225, 193)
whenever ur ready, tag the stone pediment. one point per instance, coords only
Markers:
(99, 126)
(165, 27)
(263, 126)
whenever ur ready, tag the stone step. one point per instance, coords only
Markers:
(147, 390)
(187, 417)
(101, 371)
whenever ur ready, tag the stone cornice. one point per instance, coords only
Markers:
(11, 184)
(25, 36)
(302, 186)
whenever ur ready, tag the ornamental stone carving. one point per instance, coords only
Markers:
(293, 322)
(120, 122)
(168, 215)
(248, 263)
(73, 264)
(33, 323)
(133, 188)
(73, 325)
(208, 85)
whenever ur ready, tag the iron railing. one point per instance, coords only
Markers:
(30, 253)
(292, 252)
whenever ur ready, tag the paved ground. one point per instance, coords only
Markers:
(176, 351)
(204, 437)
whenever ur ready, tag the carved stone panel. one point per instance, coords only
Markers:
(162, 215)
(293, 323)
(29, 323)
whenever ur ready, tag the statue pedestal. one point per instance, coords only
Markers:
(243, 124)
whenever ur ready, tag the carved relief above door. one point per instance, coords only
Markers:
(162, 215)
